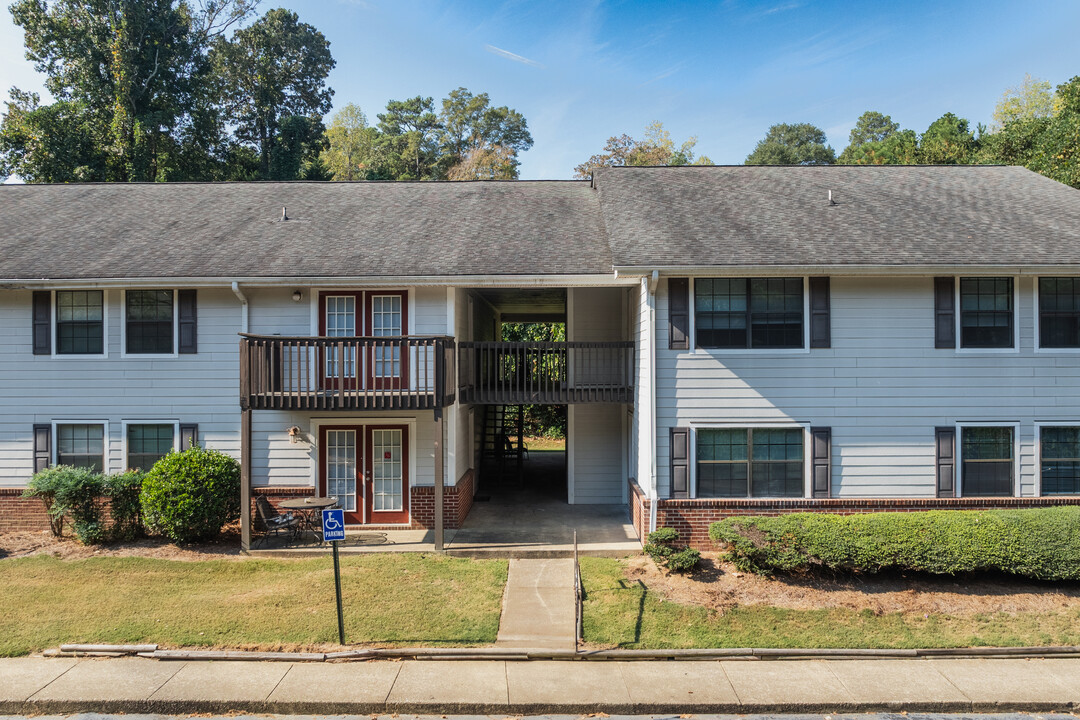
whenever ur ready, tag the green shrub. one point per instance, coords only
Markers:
(74, 492)
(1040, 543)
(124, 490)
(191, 495)
(661, 545)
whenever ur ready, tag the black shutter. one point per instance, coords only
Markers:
(42, 322)
(42, 447)
(821, 462)
(944, 312)
(189, 436)
(945, 439)
(680, 462)
(189, 325)
(820, 320)
(678, 313)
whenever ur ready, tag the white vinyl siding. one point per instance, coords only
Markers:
(881, 387)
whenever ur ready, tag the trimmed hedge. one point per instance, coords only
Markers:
(191, 495)
(662, 546)
(1040, 543)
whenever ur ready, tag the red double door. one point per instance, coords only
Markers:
(366, 467)
(368, 313)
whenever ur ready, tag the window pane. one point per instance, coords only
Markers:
(81, 446)
(149, 317)
(1060, 461)
(986, 312)
(987, 454)
(777, 470)
(147, 444)
(1059, 312)
(720, 312)
(776, 313)
(79, 322)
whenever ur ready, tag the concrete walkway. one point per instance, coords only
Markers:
(41, 685)
(538, 605)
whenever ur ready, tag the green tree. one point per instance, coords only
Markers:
(655, 148)
(899, 148)
(51, 143)
(947, 141)
(1029, 100)
(137, 71)
(1057, 154)
(350, 144)
(871, 127)
(408, 144)
(273, 69)
(478, 141)
(798, 144)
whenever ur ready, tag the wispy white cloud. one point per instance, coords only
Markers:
(782, 8)
(667, 73)
(511, 56)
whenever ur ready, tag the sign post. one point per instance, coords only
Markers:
(333, 527)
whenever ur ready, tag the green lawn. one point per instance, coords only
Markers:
(400, 599)
(625, 614)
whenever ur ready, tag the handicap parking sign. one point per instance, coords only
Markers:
(333, 525)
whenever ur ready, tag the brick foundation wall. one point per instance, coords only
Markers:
(693, 517)
(21, 514)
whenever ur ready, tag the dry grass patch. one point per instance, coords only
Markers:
(394, 599)
(633, 604)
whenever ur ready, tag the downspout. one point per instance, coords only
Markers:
(654, 495)
(243, 306)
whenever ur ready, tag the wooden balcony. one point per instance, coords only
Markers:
(346, 373)
(546, 373)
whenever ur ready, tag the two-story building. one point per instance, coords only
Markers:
(738, 339)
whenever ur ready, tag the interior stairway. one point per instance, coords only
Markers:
(502, 448)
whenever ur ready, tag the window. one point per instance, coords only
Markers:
(146, 444)
(149, 322)
(757, 462)
(748, 312)
(1059, 312)
(986, 312)
(986, 455)
(81, 445)
(80, 322)
(1059, 461)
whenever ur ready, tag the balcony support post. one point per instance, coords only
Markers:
(439, 479)
(245, 479)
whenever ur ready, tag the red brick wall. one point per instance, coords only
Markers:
(18, 513)
(693, 517)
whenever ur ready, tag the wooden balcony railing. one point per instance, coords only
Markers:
(347, 373)
(546, 373)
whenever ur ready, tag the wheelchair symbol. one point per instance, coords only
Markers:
(331, 523)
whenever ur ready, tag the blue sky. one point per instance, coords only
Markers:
(723, 71)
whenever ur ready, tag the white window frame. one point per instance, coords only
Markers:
(1039, 425)
(1038, 326)
(1015, 313)
(175, 326)
(105, 439)
(315, 292)
(362, 422)
(54, 310)
(125, 423)
(780, 425)
(958, 470)
(695, 350)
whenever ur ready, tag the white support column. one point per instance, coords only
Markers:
(453, 471)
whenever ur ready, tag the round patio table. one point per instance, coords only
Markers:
(310, 511)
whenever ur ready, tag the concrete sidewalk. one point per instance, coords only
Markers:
(137, 685)
(539, 608)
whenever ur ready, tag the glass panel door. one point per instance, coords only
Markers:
(340, 321)
(340, 463)
(386, 320)
(388, 473)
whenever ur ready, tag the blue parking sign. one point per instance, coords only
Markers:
(333, 525)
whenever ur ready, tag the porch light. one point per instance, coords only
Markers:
(297, 295)
(294, 434)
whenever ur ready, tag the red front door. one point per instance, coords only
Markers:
(366, 467)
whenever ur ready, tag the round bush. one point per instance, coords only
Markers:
(191, 495)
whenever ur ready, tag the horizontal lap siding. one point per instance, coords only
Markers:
(598, 453)
(199, 388)
(882, 387)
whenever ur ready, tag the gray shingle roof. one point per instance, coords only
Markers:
(636, 217)
(916, 215)
(335, 230)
